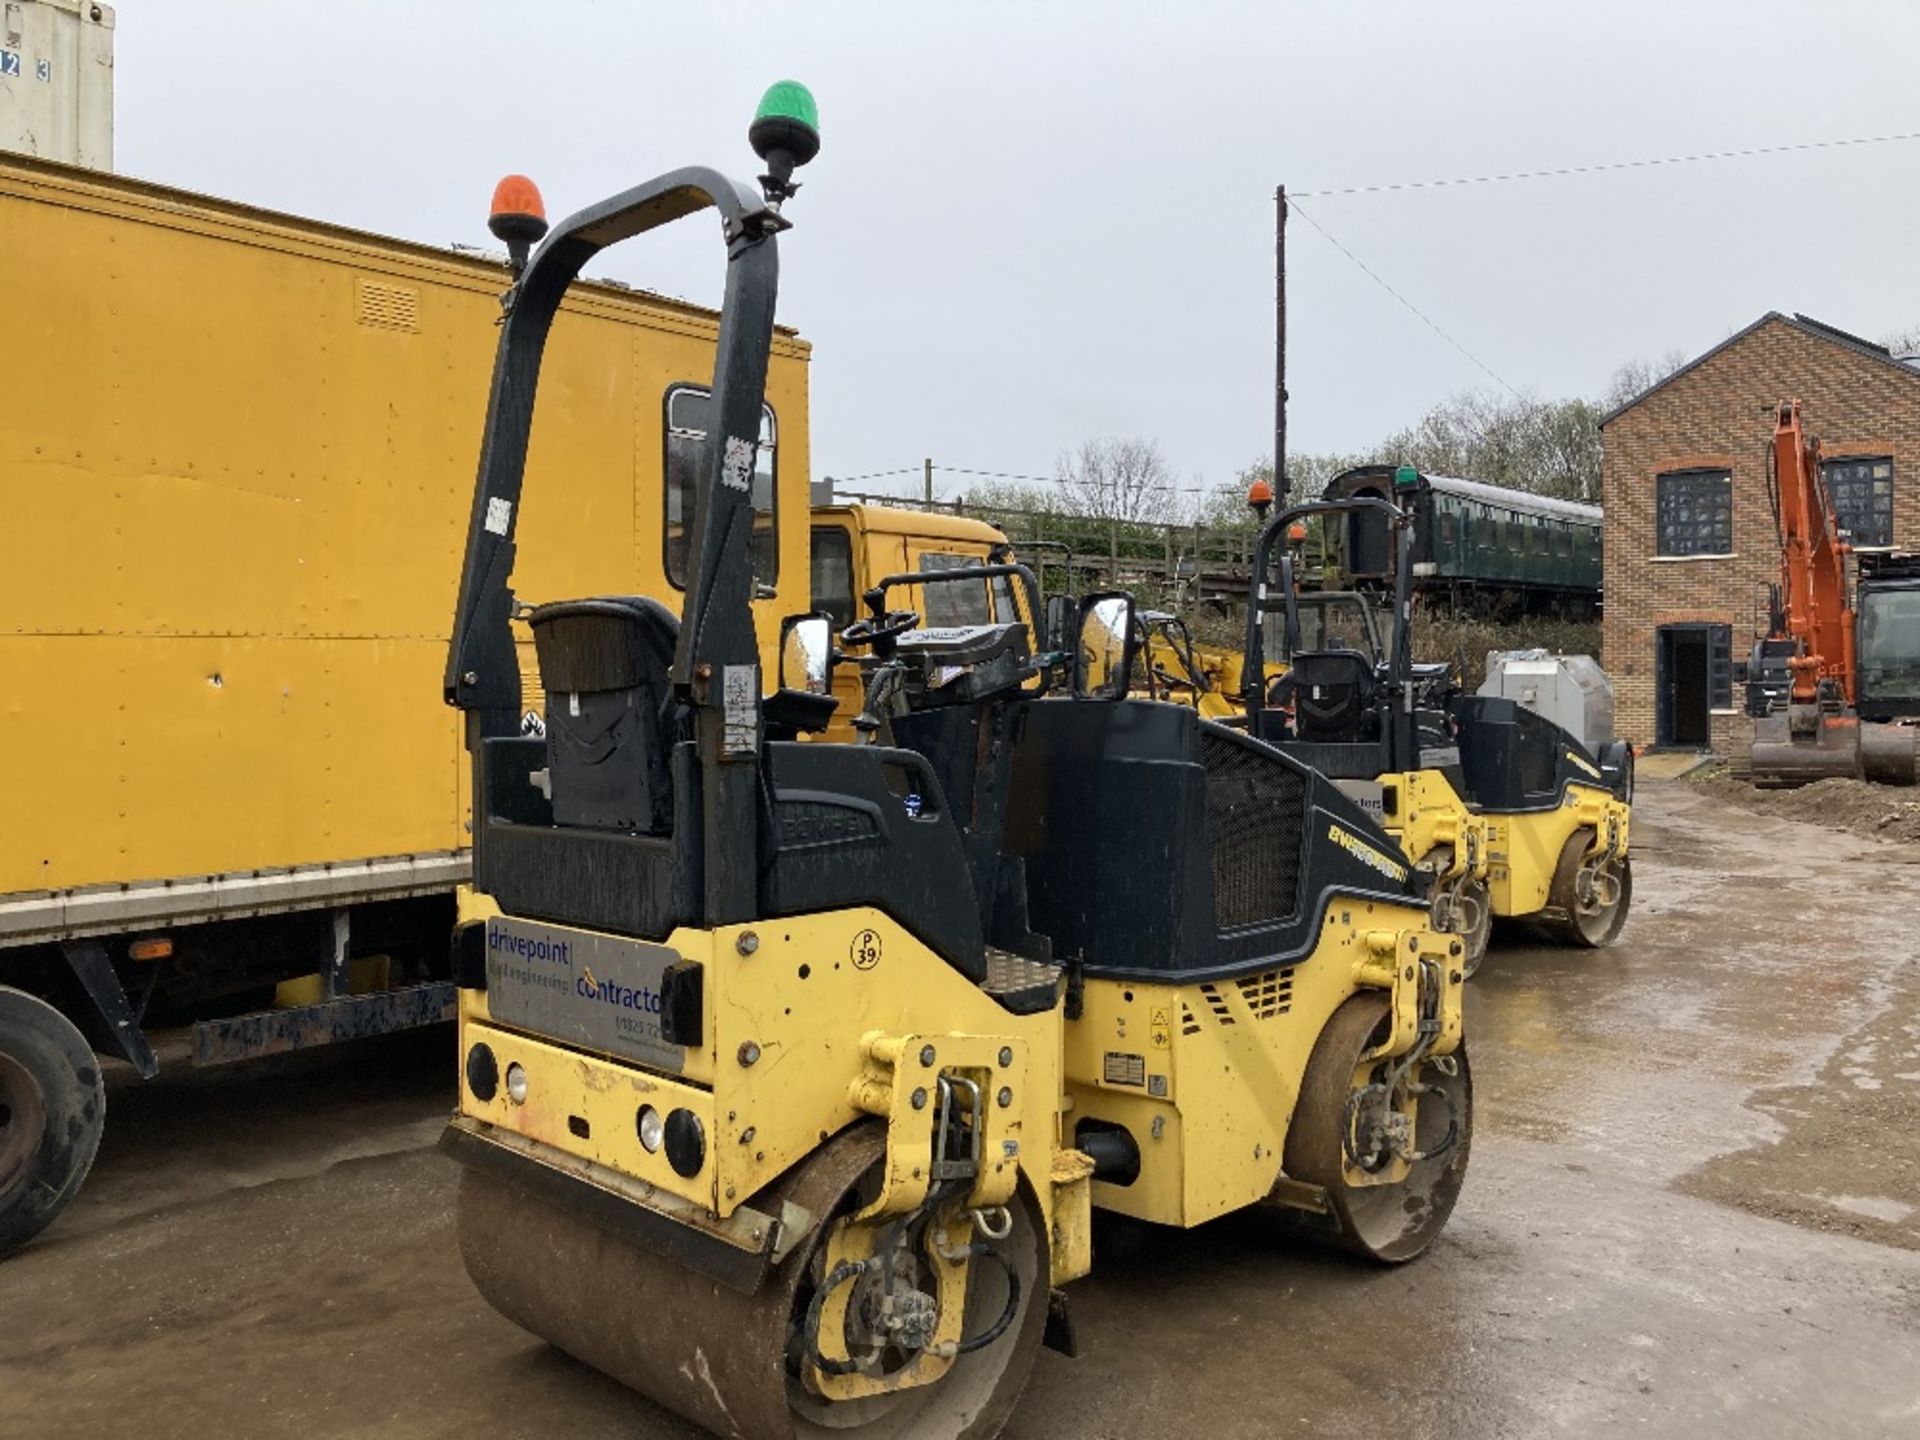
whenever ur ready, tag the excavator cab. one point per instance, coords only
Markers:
(1888, 650)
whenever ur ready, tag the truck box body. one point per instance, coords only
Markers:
(235, 461)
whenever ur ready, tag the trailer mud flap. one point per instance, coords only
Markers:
(302, 1027)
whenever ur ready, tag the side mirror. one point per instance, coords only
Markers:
(1057, 633)
(806, 653)
(1104, 652)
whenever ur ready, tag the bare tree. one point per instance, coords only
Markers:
(1903, 343)
(1119, 479)
(1225, 505)
(1638, 375)
(1549, 447)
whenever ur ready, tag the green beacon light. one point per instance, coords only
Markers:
(1406, 478)
(785, 134)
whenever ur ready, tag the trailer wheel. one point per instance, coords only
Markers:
(53, 1106)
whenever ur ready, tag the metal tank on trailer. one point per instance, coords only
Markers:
(1570, 690)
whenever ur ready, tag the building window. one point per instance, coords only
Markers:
(1862, 491)
(1694, 513)
(687, 410)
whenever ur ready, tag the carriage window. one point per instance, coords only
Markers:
(1694, 513)
(1447, 527)
(687, 410)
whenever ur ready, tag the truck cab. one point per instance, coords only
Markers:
(854, 547)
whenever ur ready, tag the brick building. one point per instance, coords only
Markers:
(1690, 544)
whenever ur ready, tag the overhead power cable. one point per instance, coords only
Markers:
(1565, 170)
(875, 475)
(1422, 315)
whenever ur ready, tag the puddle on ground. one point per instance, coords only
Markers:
(1845, 1156)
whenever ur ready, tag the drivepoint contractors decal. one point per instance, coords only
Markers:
(600, 992)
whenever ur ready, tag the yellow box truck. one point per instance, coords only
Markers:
(236, 455)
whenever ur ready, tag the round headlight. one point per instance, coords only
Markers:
(516, 1084)
(652, 1128)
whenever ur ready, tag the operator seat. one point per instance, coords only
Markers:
(604, 665)
(1332, 693)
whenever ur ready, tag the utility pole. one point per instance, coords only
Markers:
(929, 480)
(1280, 347)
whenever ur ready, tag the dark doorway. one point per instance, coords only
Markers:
(1693, 679)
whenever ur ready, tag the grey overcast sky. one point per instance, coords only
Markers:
(1035, 223)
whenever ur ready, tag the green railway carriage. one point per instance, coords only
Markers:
(1475, 545)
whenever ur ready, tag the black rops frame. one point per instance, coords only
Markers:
(875, 595)
(717, 635)
(1400, 729)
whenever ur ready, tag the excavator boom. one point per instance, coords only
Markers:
(1804, 690)
(1813, 566)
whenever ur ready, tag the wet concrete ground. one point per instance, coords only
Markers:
(1693, 1210)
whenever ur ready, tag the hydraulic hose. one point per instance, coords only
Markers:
(999, 1327)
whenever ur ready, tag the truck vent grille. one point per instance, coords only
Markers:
(1268, 994)
(1189, 1024)
(1255, 820)
(1217, 1003)
(389, 307)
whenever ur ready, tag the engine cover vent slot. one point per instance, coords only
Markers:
(1267, 994)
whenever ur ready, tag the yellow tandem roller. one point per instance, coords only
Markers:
(792, 1072)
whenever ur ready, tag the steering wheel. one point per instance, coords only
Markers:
(877, 628)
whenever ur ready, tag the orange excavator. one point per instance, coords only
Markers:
(1805, 686)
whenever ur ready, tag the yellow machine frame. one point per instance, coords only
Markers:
(805, 1036)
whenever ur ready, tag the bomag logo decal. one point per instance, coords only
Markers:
(1583, 765)
(1366, 854)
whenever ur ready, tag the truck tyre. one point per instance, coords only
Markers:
(53, 1105)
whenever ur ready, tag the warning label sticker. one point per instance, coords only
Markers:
(1122, 1069)
(740, 708)
(1160, 1031)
